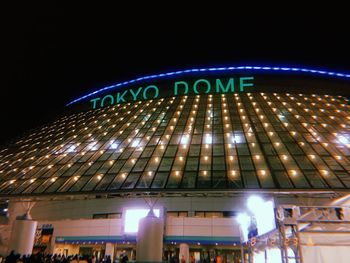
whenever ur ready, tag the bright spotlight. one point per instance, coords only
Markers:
(263, 212)
(254, 203)
(132, 218)
(243, 219)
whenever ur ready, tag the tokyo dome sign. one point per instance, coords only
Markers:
(175, 88)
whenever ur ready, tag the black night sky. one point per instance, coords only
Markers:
(54, 53)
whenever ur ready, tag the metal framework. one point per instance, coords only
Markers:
(293, 221)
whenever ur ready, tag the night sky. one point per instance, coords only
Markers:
(55, 53)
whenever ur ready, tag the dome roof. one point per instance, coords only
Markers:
(197, 142)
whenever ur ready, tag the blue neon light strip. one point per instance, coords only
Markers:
(219, 69)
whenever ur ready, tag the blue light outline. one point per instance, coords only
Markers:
(220, 69)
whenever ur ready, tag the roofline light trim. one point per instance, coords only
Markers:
(220, 69)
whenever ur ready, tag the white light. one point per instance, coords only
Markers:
(254, 202)
(237, 139)
(113, 146)
(184, 139)
(92, 146)
(71, 149)
(5, 209)
(244, 221)
(135, 142)
(208, 138)
(343, 140)
(263, 212)
(133, 216)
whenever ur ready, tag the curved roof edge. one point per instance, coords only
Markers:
(217, 69)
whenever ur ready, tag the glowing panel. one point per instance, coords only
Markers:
(208, 139)
(133, 216)
(185, 139)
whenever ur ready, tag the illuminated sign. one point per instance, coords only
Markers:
(259, 220)
(198, 86)
(133, 216)
(246, 68)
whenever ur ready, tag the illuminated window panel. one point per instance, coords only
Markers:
(298, 178)
(78, 185)
(145, 179)
(204, 179)
(174, 179)
(131, 181)
(309, 133)
(160, 179)
(117, 181)
(265, 178)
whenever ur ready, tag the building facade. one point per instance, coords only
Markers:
(194, 145)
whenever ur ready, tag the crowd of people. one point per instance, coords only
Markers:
(55, 258)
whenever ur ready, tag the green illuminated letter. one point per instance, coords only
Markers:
(121, 97)
(151, 87)
(199, 81)
(134, 95)
(107, 97)
(242, 84)
(94, 102)
(229, 87)
(176, 89)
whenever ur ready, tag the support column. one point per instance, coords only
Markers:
(110, 250)
(149, 247)
(184, 252)
(23, 228)
(22, 237)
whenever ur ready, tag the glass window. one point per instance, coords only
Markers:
(165, 164)
(219, 163)
(246, 163)
(117, 165)
(147, 151)
(192, 164)
(242, 149)
(140, 165)
(204, 179)
(218, 150)
(189, 180)
(79, 183)
(131, 181)
(145, 180)
(160, 180)
(170, 151)
(250, 179)
(105, 181)
(117, 181)
(219, 179)
(194, 150)
(174, 179)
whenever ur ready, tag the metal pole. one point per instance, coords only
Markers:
(241, 238)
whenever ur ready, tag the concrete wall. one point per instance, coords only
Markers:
(174, 227)
(76, 209)
(201, 227)
(86, 227)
